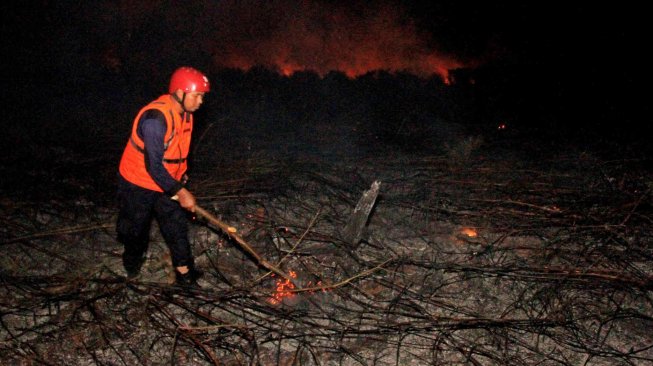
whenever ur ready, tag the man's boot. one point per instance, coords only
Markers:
(132, 266)
(188, 279)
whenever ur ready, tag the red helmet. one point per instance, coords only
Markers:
(189, 80)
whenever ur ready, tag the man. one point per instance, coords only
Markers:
(153, 174)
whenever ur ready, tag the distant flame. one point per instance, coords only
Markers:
(310, 36)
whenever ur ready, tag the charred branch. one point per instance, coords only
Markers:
(481, 265)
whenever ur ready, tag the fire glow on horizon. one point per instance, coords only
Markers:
(292, 36)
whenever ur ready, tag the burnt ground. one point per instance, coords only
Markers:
(525, 246)
(518, 248)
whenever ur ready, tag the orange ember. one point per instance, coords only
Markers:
(283, 290)
(469, 232)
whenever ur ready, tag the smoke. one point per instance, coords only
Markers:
(291, 36)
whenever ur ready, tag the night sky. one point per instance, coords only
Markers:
(584, 64)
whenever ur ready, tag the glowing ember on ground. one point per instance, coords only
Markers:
(469, 232)
(283, 290)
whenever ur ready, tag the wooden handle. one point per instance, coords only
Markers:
(233, 234)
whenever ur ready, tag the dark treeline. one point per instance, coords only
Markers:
(64, 107)
(78, 71)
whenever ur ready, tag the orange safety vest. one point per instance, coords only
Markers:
(176, 145)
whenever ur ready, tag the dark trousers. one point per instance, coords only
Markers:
(138, 206)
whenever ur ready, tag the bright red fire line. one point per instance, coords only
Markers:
(318, 37)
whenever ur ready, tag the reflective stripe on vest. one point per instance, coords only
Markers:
(171, 161)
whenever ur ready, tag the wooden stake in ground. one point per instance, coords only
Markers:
(353, 231)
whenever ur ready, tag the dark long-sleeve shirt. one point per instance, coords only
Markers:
(152, 130)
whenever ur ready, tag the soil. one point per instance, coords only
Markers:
(483, 252)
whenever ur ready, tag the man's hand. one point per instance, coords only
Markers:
(186, 199)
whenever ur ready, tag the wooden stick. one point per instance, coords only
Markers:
(233, 234)
(62, 231)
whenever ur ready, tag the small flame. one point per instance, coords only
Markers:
(469, 232)
(283, 290)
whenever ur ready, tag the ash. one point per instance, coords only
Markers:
(481, 258)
